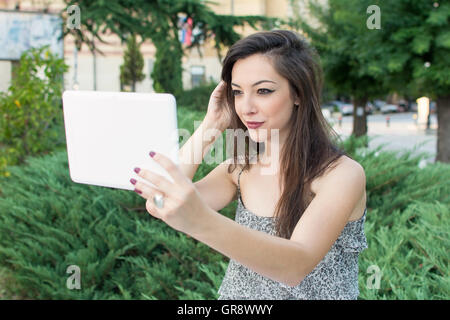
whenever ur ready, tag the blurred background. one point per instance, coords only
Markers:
(386, 94)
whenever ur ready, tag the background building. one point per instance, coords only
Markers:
(88, 71)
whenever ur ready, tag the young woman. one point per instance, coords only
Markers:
(298, 229)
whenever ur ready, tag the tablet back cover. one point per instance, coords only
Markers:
(108, 134)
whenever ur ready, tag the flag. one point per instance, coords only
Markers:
(188, 36)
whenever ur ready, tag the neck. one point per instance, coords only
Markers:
(272, 149)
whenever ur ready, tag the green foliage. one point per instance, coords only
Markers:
(197, 98)
(341, 39)
(158, 21)
(133, 63)
(47, 223)
(414, 33)
(31, 121)
(407, 225)
(393, 58)
(410, 251)
(123, 252)
(167, 68)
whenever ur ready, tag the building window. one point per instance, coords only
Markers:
(197, 75)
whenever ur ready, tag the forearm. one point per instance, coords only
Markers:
(193, 151)
(273, 257)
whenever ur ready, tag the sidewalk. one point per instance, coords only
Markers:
(399, 136)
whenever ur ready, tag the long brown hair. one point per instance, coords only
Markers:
(311, 147)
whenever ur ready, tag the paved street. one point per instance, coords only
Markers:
(402, 134)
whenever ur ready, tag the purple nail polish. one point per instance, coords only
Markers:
(152, 153)
(133, 181)
(138, 191)
(137, 170)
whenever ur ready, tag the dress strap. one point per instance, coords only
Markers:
(239, 183)
(239, 178)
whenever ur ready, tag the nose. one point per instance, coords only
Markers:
(248, 106)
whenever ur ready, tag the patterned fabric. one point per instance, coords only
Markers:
(335, 277)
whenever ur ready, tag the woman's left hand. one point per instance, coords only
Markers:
(184, 209)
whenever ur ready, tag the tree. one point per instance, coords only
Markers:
(409, 54)
(416, 44)
(133, 63)
(341, 39)
(157, 20)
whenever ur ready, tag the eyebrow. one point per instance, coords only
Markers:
(256, 83)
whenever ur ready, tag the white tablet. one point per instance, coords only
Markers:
(108, 134)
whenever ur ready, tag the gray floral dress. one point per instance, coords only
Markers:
(335, 277)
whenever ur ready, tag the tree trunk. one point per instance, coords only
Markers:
(443, 131)
(359, 117)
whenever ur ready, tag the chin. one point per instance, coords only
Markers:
(258, 135)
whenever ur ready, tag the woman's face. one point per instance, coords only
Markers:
(261, 95)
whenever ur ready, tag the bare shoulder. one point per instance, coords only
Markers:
(346, 164)
(345, 171)
(351, 167)
(343, 167)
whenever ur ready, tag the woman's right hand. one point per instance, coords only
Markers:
(218, 114)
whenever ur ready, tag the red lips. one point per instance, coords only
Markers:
(254, 125)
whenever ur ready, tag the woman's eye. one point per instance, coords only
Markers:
(265, 91)
(260, 91)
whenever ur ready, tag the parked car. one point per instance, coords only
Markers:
(389, 108)
(344, 107)
(326, 113)
(333, 106)
(329, 106)
(347, 109)
(378, 104)
(432, 107)
(403, 106)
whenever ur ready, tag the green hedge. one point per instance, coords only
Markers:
(197, 98)
(31, 118)
(48, 223)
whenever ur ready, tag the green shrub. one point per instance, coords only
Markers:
(106, 232)
(167, 69)
(407, 226)
(32, 121)
(48, 223)
(411, 253)
(197, 98)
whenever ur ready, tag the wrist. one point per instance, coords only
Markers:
(205, 225)
(209, 132)
(209, 123)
